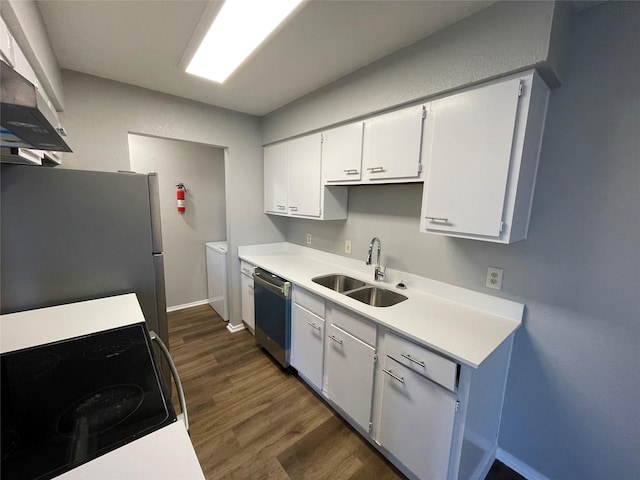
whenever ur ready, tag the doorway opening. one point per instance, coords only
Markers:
(200, 169)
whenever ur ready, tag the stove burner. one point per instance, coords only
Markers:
(10, 440)
(30, 367)
(108, 349)
(100, 411)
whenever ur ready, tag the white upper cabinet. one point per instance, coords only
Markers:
(276, 178)
(484, 155)
(6, 45)
(392, 147)
(293, 181)
(305, 165)
(342, 154)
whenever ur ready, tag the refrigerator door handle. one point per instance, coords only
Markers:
(154, 202)
(176, 377)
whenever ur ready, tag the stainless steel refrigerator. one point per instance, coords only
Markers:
(71, 235)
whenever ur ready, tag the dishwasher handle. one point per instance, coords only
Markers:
(283, 291)
(174, 373)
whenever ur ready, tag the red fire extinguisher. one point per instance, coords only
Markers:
(180, 196)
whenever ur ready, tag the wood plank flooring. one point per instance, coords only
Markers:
(251, 419)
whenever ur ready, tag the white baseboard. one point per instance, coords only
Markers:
(235, 328)
(519, 466)
(187, 305)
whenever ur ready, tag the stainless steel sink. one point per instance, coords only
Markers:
(359, 290)
(376, 296)
(339, 283)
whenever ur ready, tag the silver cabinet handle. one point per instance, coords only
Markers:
(351, 171)
(174, 373)
(376, 169)
(281, 207)
(393, 375)
(437, 219)
(411, 359)
(293, 209)
(313, 325)
(332, 337)
(247, 271)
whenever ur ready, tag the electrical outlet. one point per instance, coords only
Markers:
(494, 278)
(308, 239)
(347, 246)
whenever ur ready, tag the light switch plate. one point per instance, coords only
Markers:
(308, 239)
(347, 246)
(494, 278)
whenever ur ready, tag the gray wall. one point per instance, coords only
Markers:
(100, 114)
(571, 409)
(506, 37)
(201, 169)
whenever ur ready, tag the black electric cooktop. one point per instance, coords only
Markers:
(68, 402)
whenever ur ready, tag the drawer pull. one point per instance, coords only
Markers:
(281, 207)
(438, 219)
(332, 337)
(376, 169)
(293, 209)
(411, 359)
(313, 325)
(351, 171)
(393, 375)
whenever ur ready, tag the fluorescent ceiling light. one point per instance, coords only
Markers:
(238, 29)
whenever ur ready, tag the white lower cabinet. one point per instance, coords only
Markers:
(416, 421)
(248, 308)
(434, 418)
(307, 344)
(350, 367)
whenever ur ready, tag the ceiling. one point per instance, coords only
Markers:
(142, 43)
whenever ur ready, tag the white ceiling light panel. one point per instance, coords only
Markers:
(238, 29)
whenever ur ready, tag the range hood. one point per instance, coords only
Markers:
(26, 122)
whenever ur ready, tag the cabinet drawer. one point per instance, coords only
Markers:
(308, 300)
(246, 268)
(358, 327)
(421, 360)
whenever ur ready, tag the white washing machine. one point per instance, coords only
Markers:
(217, 278)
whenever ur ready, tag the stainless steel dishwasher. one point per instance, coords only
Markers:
(272, 301)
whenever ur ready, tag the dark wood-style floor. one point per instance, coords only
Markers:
(250, 419)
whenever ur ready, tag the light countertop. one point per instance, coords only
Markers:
(462, 324)
(166, 453)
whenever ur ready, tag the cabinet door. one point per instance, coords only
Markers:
(416, 421)
(276, 178)
(248, 313)
(471, 150)
(392, 145)
(342, 153)
(6, 45)
(350, 365)
(305, 176)
(307, 342)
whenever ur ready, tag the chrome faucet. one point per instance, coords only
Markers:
(379, 271)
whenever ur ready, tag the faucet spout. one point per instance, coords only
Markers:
(379, 271)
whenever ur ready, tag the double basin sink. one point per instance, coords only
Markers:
(359, 290)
